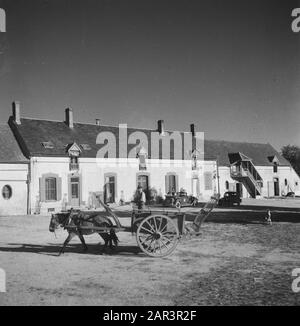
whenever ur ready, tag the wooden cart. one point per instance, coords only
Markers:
(158, 231)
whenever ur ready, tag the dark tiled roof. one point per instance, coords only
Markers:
(10, 151)
(258, 153)
(34, 132)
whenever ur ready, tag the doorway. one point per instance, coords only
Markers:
(239, 189)
(74, 187)
(276, 187)
(143, 181)
(110, 189)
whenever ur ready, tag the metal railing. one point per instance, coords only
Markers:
(243, 173)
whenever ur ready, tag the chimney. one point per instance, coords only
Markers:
(16, 112)
(69, 118)
(161, 127)
(193, 131)
(98, 122)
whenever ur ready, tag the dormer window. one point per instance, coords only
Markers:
(274, 160)
(85, 147)
(194, 157)
(142, 155)
(47, 145)
(74, 152)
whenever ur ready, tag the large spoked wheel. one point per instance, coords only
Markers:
(157, 236)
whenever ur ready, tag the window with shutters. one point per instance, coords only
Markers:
(208, 181)
(50, 189)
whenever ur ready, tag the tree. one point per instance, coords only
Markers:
(292, 154)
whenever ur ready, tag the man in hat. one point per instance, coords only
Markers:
(140, 198)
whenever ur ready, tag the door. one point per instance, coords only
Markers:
(110, 186)
(143, 182)
(276, 187)
(172, 184)
(75, 191)
(239, 189)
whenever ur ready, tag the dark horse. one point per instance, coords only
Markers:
(72, 221)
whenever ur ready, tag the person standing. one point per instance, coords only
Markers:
(140, 198)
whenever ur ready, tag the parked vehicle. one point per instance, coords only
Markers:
(230, 198)
(180, 199)
(290, 194)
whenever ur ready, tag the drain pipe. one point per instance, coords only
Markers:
(218, 176)
(29, 188)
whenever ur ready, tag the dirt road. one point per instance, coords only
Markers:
(248, 263)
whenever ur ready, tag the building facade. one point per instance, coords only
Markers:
(71, 164)
(66, 164)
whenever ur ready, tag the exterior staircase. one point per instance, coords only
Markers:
(243, 170)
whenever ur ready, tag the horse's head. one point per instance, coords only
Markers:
(58, 220)
(54, 222)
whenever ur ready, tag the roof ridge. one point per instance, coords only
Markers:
(238, 142)
(101, 125)
(151, 130)
(147, 129)
(36, 119)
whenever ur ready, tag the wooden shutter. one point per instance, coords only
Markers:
(58, 185)
(208, 181)
(198, 187)
(167, 183)
(42, 189)
(176, 183)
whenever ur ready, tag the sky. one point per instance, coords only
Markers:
(231, 67)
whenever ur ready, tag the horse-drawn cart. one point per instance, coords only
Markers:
(158, 231)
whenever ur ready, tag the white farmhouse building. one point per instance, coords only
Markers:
(254, 170)
(70, 164)
(13, 175)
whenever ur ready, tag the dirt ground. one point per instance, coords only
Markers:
(237, 260)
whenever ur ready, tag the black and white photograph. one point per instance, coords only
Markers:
(149, 155)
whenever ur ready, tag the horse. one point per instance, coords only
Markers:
(77, 219)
